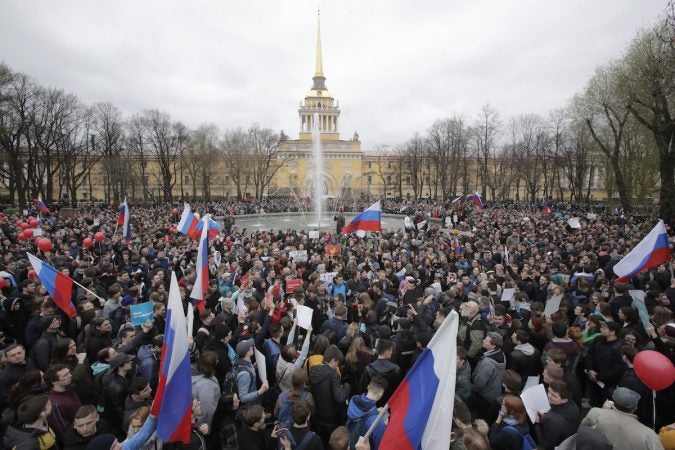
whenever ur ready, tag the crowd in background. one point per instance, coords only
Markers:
(88, 382)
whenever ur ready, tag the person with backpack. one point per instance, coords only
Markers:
(299, 434)
(362, 412)
(246, 377)
(285, 401)
(510, 431)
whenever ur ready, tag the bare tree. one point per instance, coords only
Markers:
(486, 131)
(201, 156)
(166, 140)
(606, 117)
(78, 154)
(415, 156)
(647, 82)
(236, 150)
(266, 159)
(108, 131)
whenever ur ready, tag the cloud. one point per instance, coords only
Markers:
(395, 66)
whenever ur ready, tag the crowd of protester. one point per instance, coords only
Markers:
(87, 382)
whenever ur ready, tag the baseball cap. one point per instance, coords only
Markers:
(244, 346)
(626, 397)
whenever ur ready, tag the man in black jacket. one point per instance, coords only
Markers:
(86, 426)
(604, 363)
(329, 394)
(561, 421)
(383, 367)
(41, 353)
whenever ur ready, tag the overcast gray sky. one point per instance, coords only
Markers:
(395, 66)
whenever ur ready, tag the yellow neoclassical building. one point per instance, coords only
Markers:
(343, 170)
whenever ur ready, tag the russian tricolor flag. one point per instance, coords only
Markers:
(421, 407)
(173, 400)
(652, 251)
(190, 224)
(475, 198)
(201, 286)
(545, 209)
(41, 205)
(124, 220)
(58, 284)
(368, 220)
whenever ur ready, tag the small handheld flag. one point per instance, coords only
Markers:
(58, 284)
(42, 206)
(475, 198)
(125, 221)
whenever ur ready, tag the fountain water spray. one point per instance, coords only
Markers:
(318, 169)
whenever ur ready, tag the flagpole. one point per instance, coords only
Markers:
(377, 420)
(91, 292)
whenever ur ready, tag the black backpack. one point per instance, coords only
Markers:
(357, 428)
(230, 382)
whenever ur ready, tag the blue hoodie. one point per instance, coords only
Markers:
(364, 408)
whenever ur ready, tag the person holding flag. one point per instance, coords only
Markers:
(58, 284)
(422, 405)
(42, 206)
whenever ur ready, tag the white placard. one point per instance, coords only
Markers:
(535, 399)
(552, 305)
(531, 382)
(327, 277)
(240, 303)
(298, 255)
(37, 232)
(507, 294)
(304, 315)
(314, 234)
(261, 365)
(574, 223)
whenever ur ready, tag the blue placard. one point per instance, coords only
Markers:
(141, 313)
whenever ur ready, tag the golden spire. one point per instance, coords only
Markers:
(318, 71)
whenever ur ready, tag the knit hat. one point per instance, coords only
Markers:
(128, 300)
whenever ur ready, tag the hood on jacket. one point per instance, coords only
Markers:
(16, 436)
(320, 373)
(384, 367)
(359, 406)
(526, 349)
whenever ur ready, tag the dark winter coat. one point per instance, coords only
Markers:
(329, 395)
(557, 425)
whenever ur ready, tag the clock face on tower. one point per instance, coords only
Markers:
(318, 93)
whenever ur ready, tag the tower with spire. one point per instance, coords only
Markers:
(319, 101)
(342, 159)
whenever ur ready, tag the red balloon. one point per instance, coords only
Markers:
(19, 222)
(34, 223)
(174, 211)
(24, 225)
(28, 233)
(30, 218)
(87, 242)
(21, 236)
(44, 244)
(32, 275)
(654, 369)
(99, 236)
(3, 283)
